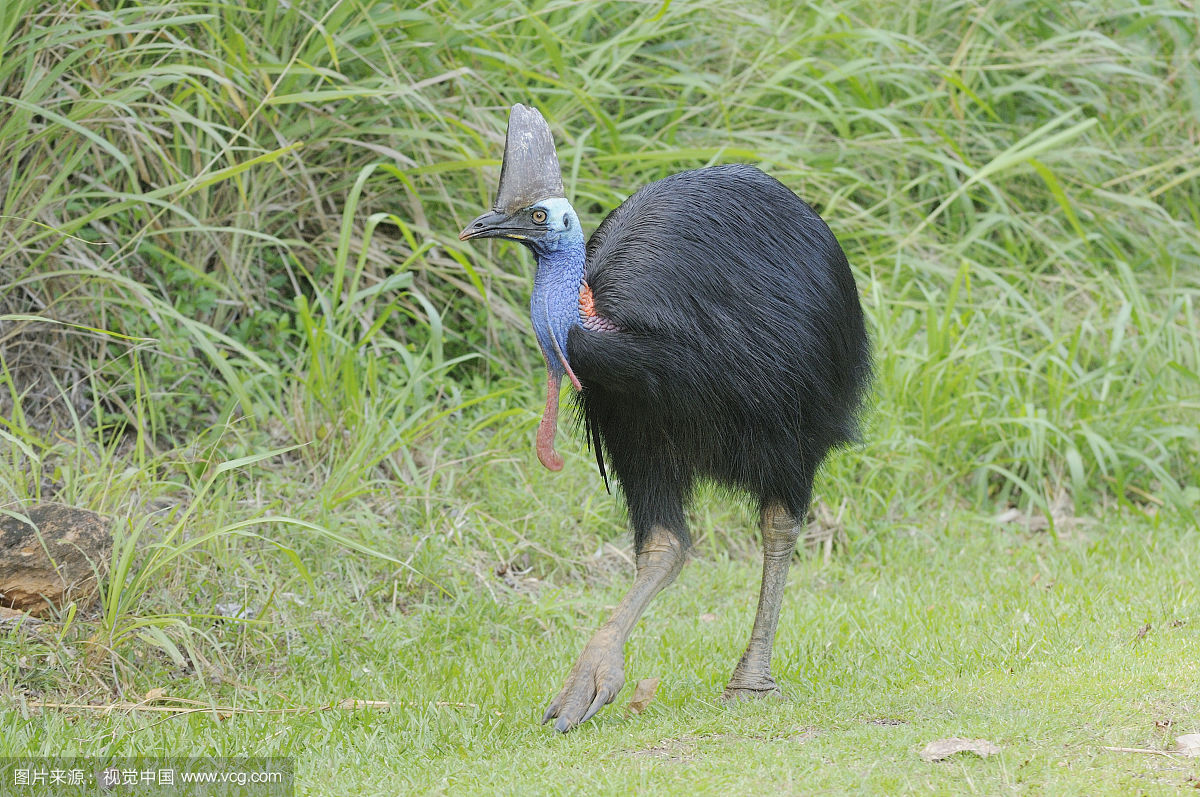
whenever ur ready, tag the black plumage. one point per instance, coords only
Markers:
(741, 354)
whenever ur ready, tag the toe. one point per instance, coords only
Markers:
(552, 709)
(603, 698)
(573, 709)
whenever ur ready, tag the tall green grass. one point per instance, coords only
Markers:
(226, 230)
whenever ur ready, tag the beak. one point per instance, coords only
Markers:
(496, 224)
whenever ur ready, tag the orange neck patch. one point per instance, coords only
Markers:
(587, 303)
(589, 319)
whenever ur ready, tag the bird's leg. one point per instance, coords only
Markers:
(599, 673)
(752, 678)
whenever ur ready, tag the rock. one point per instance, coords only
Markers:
(1189, 744)
(12, 617)
(79, 546)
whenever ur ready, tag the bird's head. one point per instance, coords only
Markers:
(544, 226)
(531, 205)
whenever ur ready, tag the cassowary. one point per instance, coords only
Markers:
(712, 330)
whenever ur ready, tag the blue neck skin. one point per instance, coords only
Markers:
(554, 308)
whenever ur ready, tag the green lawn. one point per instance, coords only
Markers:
(1051, 649)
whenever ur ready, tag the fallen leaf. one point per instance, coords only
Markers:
(708, 617)
(1189, 744)
(1141, 632)
(944, 748)
(154, 694)
(643, 693)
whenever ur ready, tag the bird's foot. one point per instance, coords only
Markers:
(751, 687)
(593, 682)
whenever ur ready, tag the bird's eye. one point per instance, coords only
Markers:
(539, 216)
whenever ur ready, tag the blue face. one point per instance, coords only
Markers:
(558, 224)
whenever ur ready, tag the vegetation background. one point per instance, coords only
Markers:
(236, 319)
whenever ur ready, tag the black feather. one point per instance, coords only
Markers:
(594, 441)
(741, 354)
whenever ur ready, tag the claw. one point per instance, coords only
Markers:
(603, 697)
(562, 726)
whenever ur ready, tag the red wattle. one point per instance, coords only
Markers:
(571, 375)
(549, 426)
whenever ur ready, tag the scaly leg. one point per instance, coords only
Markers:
(752, 678)
(599, 673)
